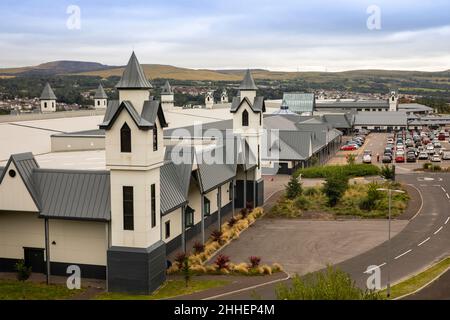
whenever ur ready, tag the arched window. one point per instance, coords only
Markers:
(45, 104)
(155, 138)
(98, 102)
(125, 138)
(245, 118)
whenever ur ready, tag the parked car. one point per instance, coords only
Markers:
(386, 159)
(430, 149)
(410, 157)
(435, 158)
(369, 152)
(367, 158)
(349, 147)
(423, 156)
(446, 155)
(400, 157)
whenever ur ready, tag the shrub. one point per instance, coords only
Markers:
(179, 259)
(254, 261)
(249, 205)
(241, 268)
(436, 167)
(351, 159)
(277, 267)
(427, 166)
(222, 261)
(232, 221)
(23, 272)
(244, 212)
(388, 172)
(266, 269)
(331, 284)
(198, 247)
(373, 195)
(334, 187)
(353, 170)
(301, 202)
(216, 235)
(293, 188)
(311, 191)
(186, 271)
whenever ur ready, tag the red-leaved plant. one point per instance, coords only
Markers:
(254, 261)
(179, 258)
(222, 261)
(198, 247)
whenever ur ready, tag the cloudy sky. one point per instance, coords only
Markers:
(277, 35)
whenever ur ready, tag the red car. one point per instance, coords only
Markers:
(348, 147)
(400, 158)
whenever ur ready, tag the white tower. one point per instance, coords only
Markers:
(393, 101)
(167, 100)
(248, 123)
(224, 96)
(134, 154)
(209, 100)
(100, 98)
(48, 99)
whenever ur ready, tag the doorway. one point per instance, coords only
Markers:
(34, 258)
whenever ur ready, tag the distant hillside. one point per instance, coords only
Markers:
(55, 68)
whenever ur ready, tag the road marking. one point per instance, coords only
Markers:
(446, 221)
(377, 267)
(437, 185)
(443, 189)
(424, 185)
(437, 231)
(448, 196)
(423, 241)
(401, 255)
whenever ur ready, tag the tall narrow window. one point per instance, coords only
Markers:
(207, 207)
(128, 210)
(167, 229)
(153, 204)
(245, 118)
(259, 158)
(155, 138)
(260, 118)
(189, 217)
(125, 138)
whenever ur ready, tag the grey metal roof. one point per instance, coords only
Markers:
(353, 104)
(299, 102)
(383, 118)
(257, 106)
(183, 159)
(167, 89)
(414, 107)
(133, 76)
(1, 171)
(73, 194)
(145, 120)
(100, 93)
(24, 163)
(339, 121)
(47, 93)
(248, 83)
(172, 192)
(212, 175)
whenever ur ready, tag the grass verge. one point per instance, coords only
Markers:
(170, 289)
(18, 290)
(419, 280)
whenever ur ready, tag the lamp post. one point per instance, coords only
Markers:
(388, 285)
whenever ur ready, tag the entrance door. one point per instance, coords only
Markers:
(34, 258)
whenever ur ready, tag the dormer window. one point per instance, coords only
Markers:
(245, 118)
(125, 138)
(155, 138)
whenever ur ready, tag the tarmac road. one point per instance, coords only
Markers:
(423, 241)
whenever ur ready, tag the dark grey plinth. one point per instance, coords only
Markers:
(136, 270)
(240, 192)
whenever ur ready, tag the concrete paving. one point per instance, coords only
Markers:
(303, 246)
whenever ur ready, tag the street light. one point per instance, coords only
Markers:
(389, 191)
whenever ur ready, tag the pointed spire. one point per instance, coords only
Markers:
(100, 93)
(167, 89)
(47, 93)
(133, 76)
(248, 83)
